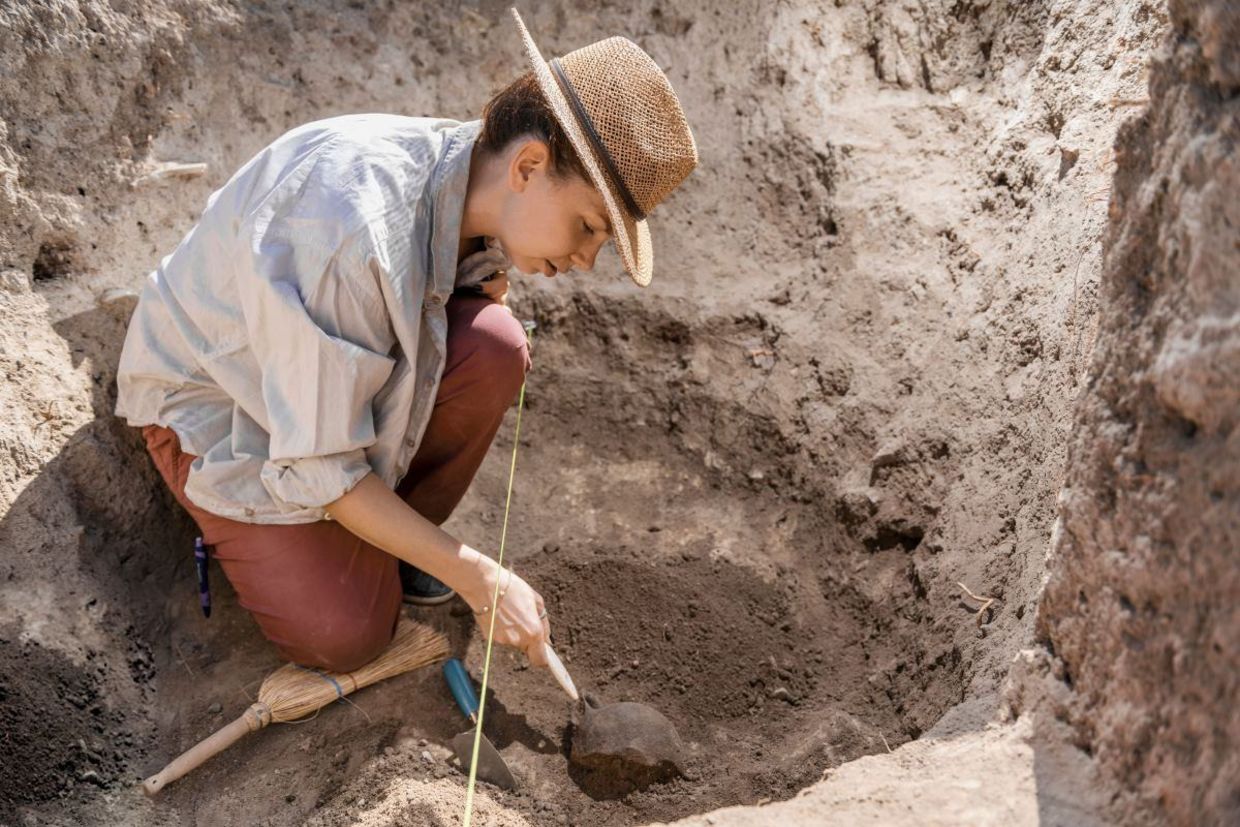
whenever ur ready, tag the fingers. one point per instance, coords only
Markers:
(537, 653)
(521, 621)
(546, 621)
(496, 286)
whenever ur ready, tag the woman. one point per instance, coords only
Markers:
(320, 366)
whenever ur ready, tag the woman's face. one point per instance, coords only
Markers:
(549, 226)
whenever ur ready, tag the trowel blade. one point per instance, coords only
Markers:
(491, 766)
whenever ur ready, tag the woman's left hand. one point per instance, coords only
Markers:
(496, 288)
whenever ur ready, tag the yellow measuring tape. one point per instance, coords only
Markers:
(528, 326)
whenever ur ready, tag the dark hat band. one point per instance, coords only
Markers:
(584, 118)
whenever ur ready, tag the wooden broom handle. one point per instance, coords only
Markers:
(253, 719)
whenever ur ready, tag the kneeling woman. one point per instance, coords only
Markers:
(322, 363)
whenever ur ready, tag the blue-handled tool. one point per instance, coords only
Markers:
(491, 765)
(204, 589)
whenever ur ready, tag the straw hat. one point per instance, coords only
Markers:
(624, 120)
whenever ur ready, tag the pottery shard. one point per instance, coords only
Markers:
(629, 739)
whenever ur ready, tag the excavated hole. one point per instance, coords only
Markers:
(777, 641)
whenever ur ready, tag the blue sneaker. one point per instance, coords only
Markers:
(421, 589)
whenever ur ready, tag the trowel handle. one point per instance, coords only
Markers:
(560, 673)
(462, 687)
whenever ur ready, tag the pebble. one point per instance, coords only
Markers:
(114, 294)
(782, 694)
(389, 751)
(215, 708)
(427, 757)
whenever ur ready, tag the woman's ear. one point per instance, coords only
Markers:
(531, 157)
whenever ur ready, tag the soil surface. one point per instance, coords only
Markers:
(757, 495)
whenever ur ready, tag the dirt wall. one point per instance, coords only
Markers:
(848, 391)
(1143, 603)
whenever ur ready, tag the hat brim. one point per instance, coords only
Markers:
(631, 235)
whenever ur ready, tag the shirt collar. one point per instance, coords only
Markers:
(449, 182)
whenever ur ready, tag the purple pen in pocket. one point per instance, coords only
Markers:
(200, 562)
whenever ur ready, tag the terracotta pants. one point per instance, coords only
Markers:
(322, 595)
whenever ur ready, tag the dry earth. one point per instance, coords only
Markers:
(864, 374)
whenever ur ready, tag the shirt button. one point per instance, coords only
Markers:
(249, 511)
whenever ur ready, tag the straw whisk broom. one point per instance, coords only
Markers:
(292, 692)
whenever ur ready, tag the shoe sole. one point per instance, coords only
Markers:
(417, 600)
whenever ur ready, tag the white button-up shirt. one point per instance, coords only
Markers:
(295, 338)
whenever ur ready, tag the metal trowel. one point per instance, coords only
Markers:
(491, 765)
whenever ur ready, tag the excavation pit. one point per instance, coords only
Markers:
(753, 494)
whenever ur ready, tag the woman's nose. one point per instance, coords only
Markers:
(584, 260)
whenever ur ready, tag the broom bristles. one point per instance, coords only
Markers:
(294, 691)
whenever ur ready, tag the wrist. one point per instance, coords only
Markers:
(483, 572)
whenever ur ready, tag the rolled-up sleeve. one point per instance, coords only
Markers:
(319, 333)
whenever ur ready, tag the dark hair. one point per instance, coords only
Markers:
(521, 109)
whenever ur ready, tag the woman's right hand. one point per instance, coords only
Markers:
(517, 621)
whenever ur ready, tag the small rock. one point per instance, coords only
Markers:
(114, 294)
(427, 757)
(389, 751)
(422, 742)
(14, 281)
(340, 758)
(290, 798)
(757, 475)
(215, 708)
(782, 694)
(550, 547)
(92, 777)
